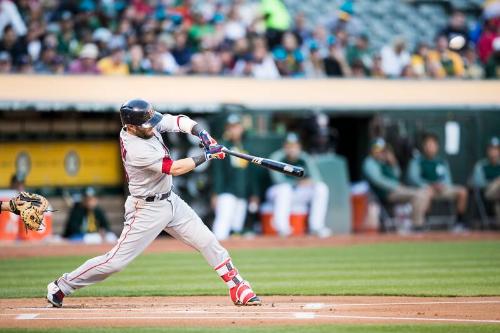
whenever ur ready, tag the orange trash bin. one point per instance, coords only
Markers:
(30, 235)
(298, 223)
(8, 226)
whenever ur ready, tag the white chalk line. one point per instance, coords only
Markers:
(298, 315)
(26, 316)
(491, 321)
(166, 317)
(309, 306)
(410, 303)
(186, 312)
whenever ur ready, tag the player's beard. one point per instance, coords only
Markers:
(143, 134)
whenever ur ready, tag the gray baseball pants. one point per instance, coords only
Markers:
(143, 222)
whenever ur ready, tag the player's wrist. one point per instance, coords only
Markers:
(198, 160)
(196, 130)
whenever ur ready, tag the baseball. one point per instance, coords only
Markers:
(457, 42)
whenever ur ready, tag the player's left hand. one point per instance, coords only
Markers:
(207, 140)
(215, 152)
(30, 207)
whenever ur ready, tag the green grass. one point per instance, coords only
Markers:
(437, 328)
(421, 269)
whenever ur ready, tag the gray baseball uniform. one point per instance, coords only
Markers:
(147, 165)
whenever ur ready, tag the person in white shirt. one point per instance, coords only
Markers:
(395, 58)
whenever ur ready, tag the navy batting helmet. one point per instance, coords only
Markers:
(139, 112)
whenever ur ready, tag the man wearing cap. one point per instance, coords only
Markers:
(230, 198)
(486, 175)
(86, 64)
(430, 171)
(87, 221)
(382, 171)
(309, 193)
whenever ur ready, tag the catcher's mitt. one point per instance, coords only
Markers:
(30, 207)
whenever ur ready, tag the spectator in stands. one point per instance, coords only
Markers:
(360, 54)
(66, 37)
(381, 169)
(9, 16)
(420, 61)
(314, 66)
(289, 57)
(113, 64)
(181, 51)
(408, 72)
(395, 58)
(87, 221)
(376, 71)
(493, 64)
(230, 198)
(261, 65)
(33, 40)
(86, 64)
(5, 63)
(448, 62)
(277, 21)
(309, 192)
(227, 58)
(16, 46)
(167, 60)
(472, 66)
(136, 62)
(300, 28)
(335, 63)
(320, 40)
(345, 20)
(486, 176)
(25, 65)
(199, 30)
(484, 45)
(429, 170)
(457, 26)
(234, 28)
(47, 62)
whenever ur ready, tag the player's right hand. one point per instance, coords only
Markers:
(215, 152)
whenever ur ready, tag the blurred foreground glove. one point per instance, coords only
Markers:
(30, 207)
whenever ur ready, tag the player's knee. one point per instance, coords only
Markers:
(113, 267)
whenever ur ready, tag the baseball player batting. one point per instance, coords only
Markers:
(152, 206)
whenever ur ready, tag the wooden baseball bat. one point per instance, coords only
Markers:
(288, 169)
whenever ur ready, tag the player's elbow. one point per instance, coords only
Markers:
(176, 172)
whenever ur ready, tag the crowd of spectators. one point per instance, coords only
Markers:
(233, 38)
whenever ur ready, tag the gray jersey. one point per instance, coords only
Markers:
(147, 162)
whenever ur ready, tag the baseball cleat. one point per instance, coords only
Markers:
(243, 295)
(54, 294)
(251, 302)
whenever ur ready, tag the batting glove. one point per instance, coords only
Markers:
(214, 152)
(206, 139)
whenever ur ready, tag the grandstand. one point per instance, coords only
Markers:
(225, 38)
